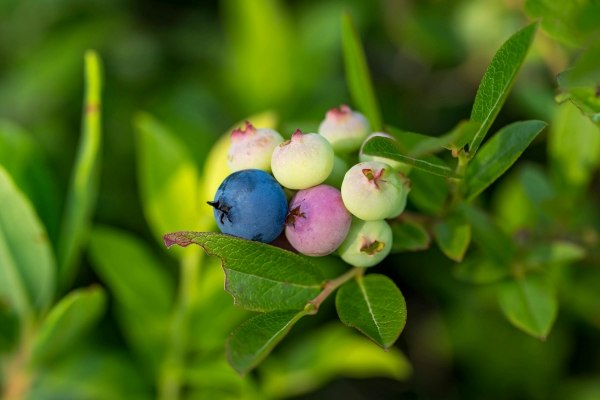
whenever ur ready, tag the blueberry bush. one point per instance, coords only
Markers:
(360, 257)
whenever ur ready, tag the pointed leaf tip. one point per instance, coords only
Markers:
(177, 238)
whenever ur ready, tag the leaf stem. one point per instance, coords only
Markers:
(170, 383)
(329, 287)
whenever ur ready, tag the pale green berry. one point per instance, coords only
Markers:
(340, 167)
(372, 191)
(367, 243)
(401, 204)
(396, 165)
(251, 148)
(304, 161)
(344, 129)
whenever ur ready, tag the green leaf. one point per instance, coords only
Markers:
(255, 338)
(494, 243)
(388, 148)
(557, 252)
(261, 57)
(453, 236)
(406, 139)
(214, 309)
(428, 192)
(23, 159)
(584, 71)
(409, 236)
(454, 140)
(498, 154)
(480, 270)
(169, 180)
(143, 291)
(571, 22)
(522, 200)
(374, 305)
(213, 378)
(497, 82)
(68, 322)
(574, 148)
(260, 277)
(27, 265)
(530, 304)
(91, 372)
(131, 271)
(331, 352)
(357, 74)
(586, 100)
(83, 188)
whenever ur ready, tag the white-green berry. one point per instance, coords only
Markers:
(340, 167)
(344, 129)
(367, 243)
(396, 165)
(401, 204)
(304, 161)
(251, 148)
(372, 190)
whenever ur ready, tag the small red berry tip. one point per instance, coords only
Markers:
(339, 112)
(297, 134)
(239, 133)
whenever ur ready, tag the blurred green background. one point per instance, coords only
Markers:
(180, 74)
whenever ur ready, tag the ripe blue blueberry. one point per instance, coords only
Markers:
(250, 204)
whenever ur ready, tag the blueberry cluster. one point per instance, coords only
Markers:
(331, 206)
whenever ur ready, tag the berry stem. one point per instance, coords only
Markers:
(329, 287)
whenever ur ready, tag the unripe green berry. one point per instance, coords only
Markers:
(344, 129)
(367, 243)
(304, 161)
(372, 191)
(340, 167)
(401, 204)
(251, 148)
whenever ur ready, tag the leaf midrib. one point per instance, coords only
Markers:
(315, 286)
(363, 290)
